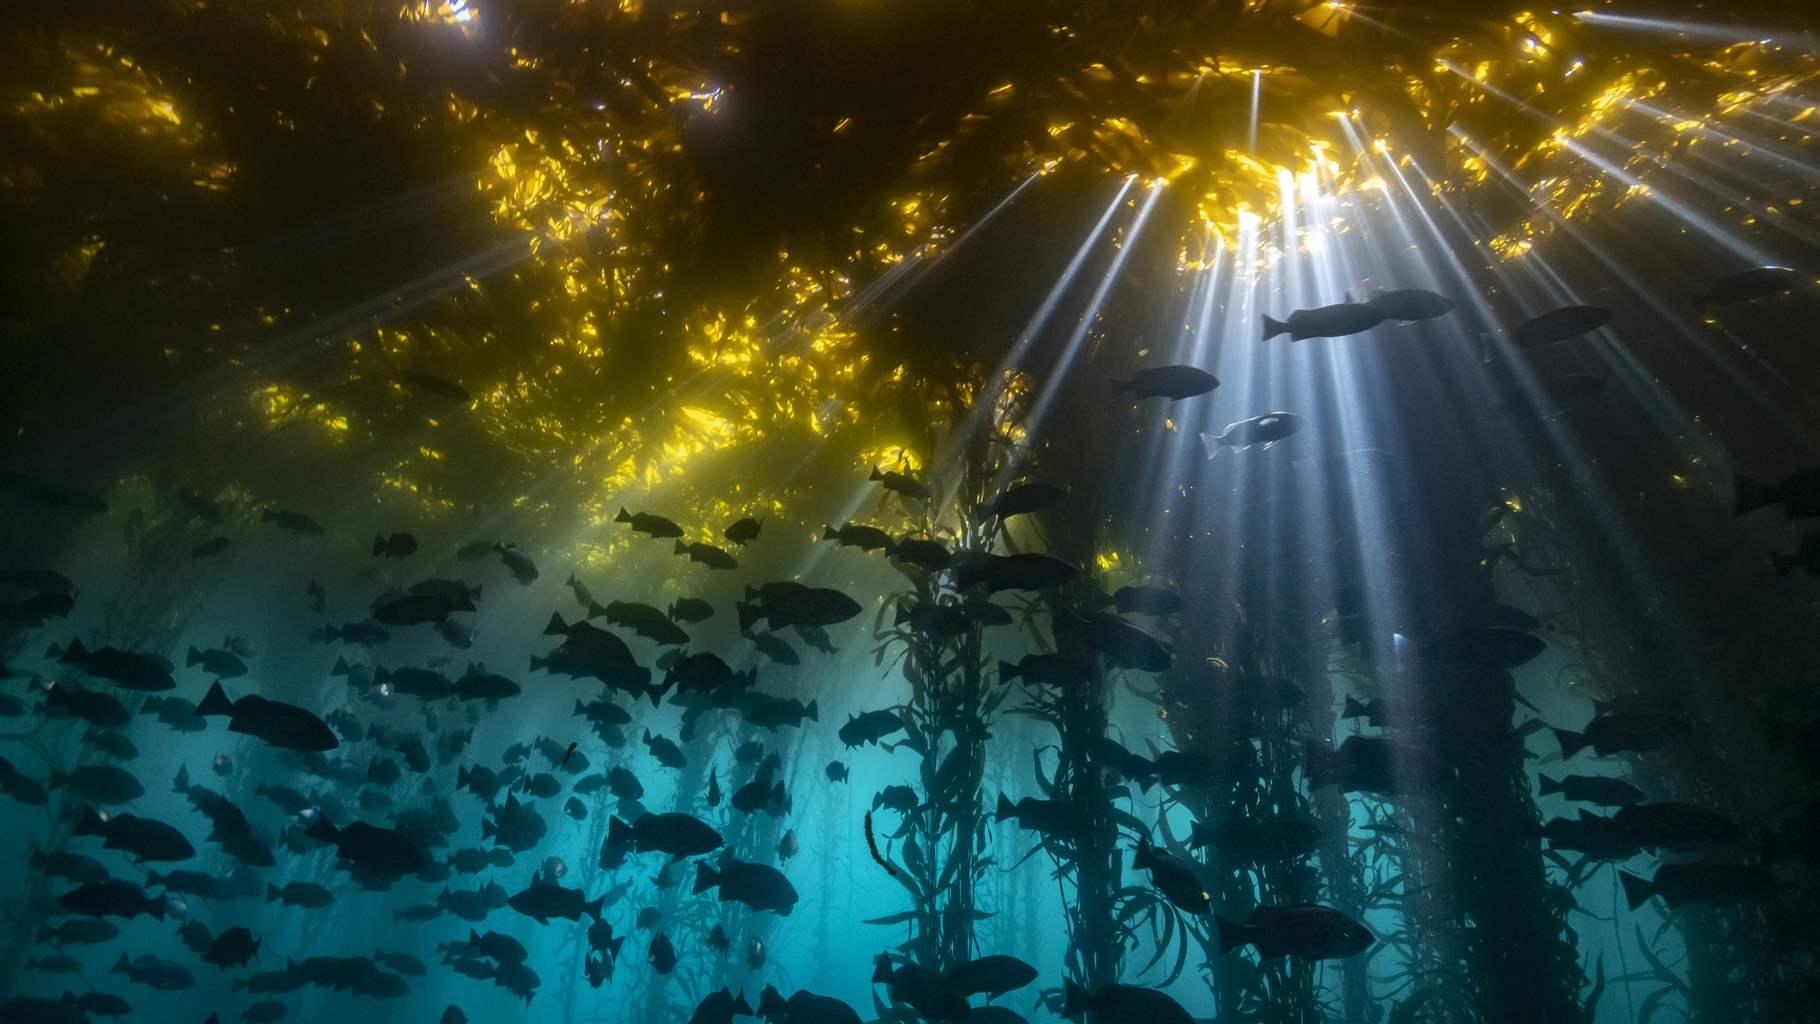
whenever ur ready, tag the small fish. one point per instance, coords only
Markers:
(1306, 930)
(707, 554)
(295, 522)
(1172, 382)
(1265, 430)
(224, 664)
(583, 596)
(1022, 499)
(1334, 321)
(836, 771)
(209, 548)
(398, 545)
(1558, 325)
(517, 562)
(662, 955)
(713, 788)
(743, 531)
(649, 523)
(1593, 789)
(439, 387)
(690, 610)
(902, 483)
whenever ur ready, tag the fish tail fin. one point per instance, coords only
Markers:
(1200, 836)
(121, 965)
(1749, 495)
(813, 712)
(705, 878)
(76, 651)
(192, 659)
(556, 626)
(1637, 889)
(828, 532)
(1211, 442)
(681, 548)
(623, 516)
(1005, 810)
(749, 614)
(1550, 786)
(156, 909)
(595, 611)
(618, 832)
(1074, 999)
(876, 475)
(181, 784)
(1007, 671)
(216, 703)
(1232, 934)
(378, 544)
(272, 893)
(538, 663)
(1273, 327)
(1571, 742)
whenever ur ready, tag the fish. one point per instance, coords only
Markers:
(319, 598)
(295, 522)
(649, 523)
(1752, 285)
(79, 931)
(1592, 789)
(1055, 819)
(475, 550)
(277, 723)
(1681, 884)
(836, 771)
(479, 684)
(1258, 840)
(307, 895)
(928, 555)
(1172, 382)
(991, 976)
(1614, 732)
(901, 483)
(788, 847)
(265, 1011)
(224, 664)
(419, 609)
(775, 648)
(35, 491)
(378, 849)
(144, 838)
(1333, 321)
(664, 751)
(544, 899)
(154, 973)
(859, 535)
(870, 727)
(1672, 826)
(1798, 493)
(804, 1007)
(398, 545)
(677, 834)
(1410, 304)
(515, 825)
(1806, 556)
(439, 387)
(103, 784)
(126, 669)
(364, 634)
(111, 898)
(22, 787)
(1047, 669)
(1174, 877)
(720, 1007)
(713, 797)
(662, 955)
(232, 948)
(690, 610)
(55, 963)
(1120, 642)
(1559, 325)
(743, 531)
(1266, 430)
(759, 886)
(518, 562)
(1121, 1003)
(707, 554)
(1019, 500)
(813, 606)
(63, 700)
(209, 548)
(1309, 931)
(1027, 571)
(72, 867)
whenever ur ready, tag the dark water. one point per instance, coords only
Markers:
(1452, 668)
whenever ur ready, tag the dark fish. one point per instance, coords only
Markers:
(836, 771)
(813, 606)
(98, 783)
(266, 1011)
(1558, 325)
(758, 886)
(1120, 642)
(150, 971)
(774, 647)
(275, 722)
(941, 621)
(1750, 286)
(1681, 884)
(34, 491)
(1486, 647)
(1613, 732)
(990, 976)
(544, 899)
(378, 849)
(475, 550)
(744, 531)
(720, 1008)
(124, 669)
(1055, 819)
(308, 895)
(646, 522)
(1335, 321)
(1172, 382)
(690, 609)
(543, 785)
(858, 535)
(296, 522)
(365, 634)
(1029, 571)
(902, 483)
(1798, 494)
(440, 387)
(713, 788)
(927, 555)
(664, 750)
(1672, 826)
(232, 948)
(1266, 430)
(514, 825)
(707, 554)
(1046, 670)
(1306, 930)
(1593, 789)
(418, 609)
(517, 562)
(679, 835)
(21, 787)
(1022, 499)
(143, 838)
(225, 664)
(209, 548)
(319, 599)
(111, 898)
(870, 727)
(72, 867)
(99, 1004)
(805, 1007)
(479, 684)
(398, 545)
(1147, 600)
(63, 700)
(817, 637)
(1122, 1003)
(1175, 878)
(662, 955)
(55, 963)
(79, 931)
(1408, 304)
